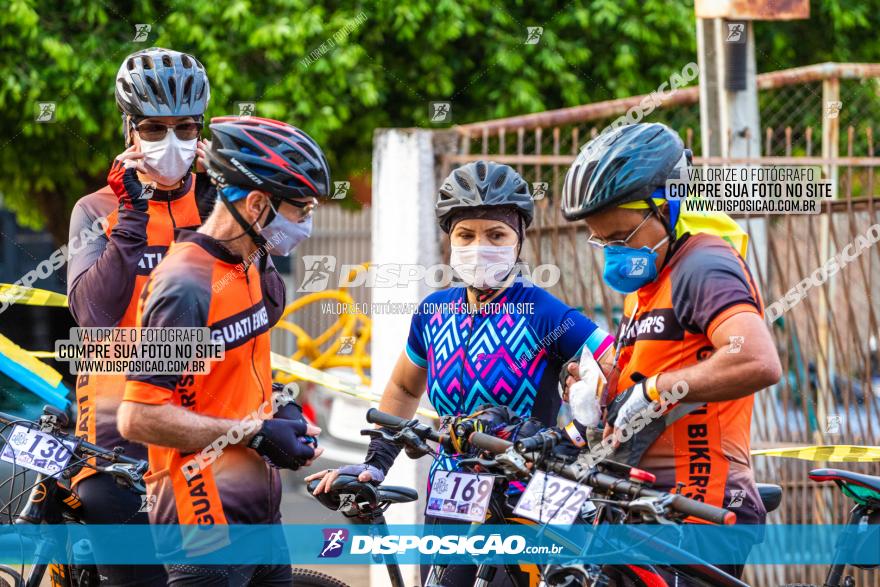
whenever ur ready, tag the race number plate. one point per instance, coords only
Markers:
(460, 496)
(551, 500)
(37, 450)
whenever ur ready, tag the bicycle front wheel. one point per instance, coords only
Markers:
(309, 578)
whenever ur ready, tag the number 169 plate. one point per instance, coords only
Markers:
(459, 496)
(37, 450)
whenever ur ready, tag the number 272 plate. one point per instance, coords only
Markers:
(551, 499)
(37, 450)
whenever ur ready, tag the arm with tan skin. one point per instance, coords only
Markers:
(180, 428)
(401, 398)
(728, 375)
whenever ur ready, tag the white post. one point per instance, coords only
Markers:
(404, 231)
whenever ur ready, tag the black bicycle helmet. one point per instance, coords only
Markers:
(624, 165)
(483, 183)
(161, 82)
(266, 155)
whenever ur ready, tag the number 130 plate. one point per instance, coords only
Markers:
(37, 450)
(551, 499)
(459, 496)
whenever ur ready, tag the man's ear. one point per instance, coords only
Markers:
(256, 204)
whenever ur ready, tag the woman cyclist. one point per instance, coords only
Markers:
(499, 341)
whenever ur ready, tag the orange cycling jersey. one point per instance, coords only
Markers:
(704, 283)
(185, 290)
(104, 283)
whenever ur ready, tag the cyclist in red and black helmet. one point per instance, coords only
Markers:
(269, 176)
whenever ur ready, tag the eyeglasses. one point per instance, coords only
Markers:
(601, 244)
(156, 131)
(304, 210)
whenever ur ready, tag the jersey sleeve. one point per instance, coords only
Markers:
(101, 271)
(415, 342)
(577, 326)
(567, 331)
(167, 301)
(710, 285)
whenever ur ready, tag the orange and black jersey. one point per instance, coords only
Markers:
(106, 278)
(704, 283)
(184, 291)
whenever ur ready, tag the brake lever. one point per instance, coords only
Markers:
(134, 477)
(378, 433)
(513, 461)
(651, 509)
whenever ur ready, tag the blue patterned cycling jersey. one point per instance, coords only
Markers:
(510, 353)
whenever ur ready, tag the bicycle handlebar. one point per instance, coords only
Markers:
(679, 503)
(130, 469)
(489, 443)
(374, 416)
(580, 474)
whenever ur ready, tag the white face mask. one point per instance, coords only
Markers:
(483, 267)
(168, 160)
(283, 235)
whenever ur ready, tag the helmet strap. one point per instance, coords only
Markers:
(248, 228)
(670, 231)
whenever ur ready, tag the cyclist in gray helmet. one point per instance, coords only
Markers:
(462, 349)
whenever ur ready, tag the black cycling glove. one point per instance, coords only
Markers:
(283, 443)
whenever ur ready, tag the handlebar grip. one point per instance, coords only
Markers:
(704, 511)
(538, 441)
(489, 443)
(374, 416)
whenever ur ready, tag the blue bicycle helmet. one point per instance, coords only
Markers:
(624, 165)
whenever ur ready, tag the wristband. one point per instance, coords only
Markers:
(651, 391)
(575, 435)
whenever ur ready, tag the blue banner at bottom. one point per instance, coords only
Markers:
(442, 544)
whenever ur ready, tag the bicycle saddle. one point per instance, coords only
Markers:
(362, 492)
(840, 475)
(771, 495)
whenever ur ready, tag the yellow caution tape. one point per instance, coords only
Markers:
(26, 360)
(30, 296)
(840, 453)
(331, 381)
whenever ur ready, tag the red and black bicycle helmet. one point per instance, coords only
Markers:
(266, 155)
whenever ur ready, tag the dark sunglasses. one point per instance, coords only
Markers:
(156, 131)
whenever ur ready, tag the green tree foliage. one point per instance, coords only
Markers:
(339, 69)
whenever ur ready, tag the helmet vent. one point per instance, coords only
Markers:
(187, 86)
(130, 64)
(155, 89)
(147, 62)
(481, 171)
(502, 178)
(166, 60)
(462, 182)
(172, 86)
(184, 59)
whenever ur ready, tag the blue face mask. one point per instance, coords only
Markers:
(282, 235)
(628, 269)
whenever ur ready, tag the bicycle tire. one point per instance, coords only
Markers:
(310, 578)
